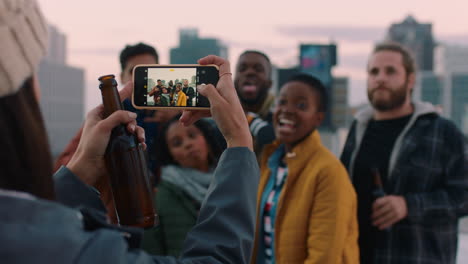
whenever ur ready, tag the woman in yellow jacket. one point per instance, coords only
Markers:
(306, 203)
(180, 99)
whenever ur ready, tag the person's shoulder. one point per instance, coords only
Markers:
(446, 123)
(35, 224)
(434, 120)
(38, 211)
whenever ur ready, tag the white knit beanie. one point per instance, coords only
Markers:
(23, 42)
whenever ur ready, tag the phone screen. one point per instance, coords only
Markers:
(172, 86)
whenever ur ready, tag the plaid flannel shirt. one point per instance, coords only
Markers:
(429, 168)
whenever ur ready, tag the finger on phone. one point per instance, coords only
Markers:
(210, 92)
(224, 66)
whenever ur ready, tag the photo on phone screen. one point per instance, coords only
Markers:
(172, 85)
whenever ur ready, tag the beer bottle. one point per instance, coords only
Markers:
(126, 164)
(378, 190)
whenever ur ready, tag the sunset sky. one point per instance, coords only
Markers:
(97, 30)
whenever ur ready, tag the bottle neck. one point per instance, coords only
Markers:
(110, 99)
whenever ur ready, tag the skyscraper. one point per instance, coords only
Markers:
(191, 48)
(56, 52)
(62, 93)
(452, 66)
(318, 61)
(428, 88)
(417, 38)
(459, 95)
(339, 105)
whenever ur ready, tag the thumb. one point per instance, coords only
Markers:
(117, 118)
(210, 92)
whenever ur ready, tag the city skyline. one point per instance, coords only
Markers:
(95, 40)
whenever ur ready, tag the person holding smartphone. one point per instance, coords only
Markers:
(35, 228)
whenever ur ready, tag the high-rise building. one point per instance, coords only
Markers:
(318, 61)
(56, 53)
(417, 37)
(452, 66)
(191, 48)
(459, 99)
(451, 59)
(428, 88)
(62, 93)
(282, 75)
(339, 105)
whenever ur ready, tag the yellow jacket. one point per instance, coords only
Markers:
(182, 99)
(316, 212)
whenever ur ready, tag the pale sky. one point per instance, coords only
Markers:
(97, 30)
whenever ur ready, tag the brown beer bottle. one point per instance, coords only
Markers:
(126, 164)
(378, 190)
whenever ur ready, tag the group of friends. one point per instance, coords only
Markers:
(251, 184)
(179, 95)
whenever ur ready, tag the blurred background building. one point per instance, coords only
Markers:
(62, 93)
(442, 70)
(191, 47)
(418, 38)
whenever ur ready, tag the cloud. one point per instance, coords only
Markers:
(342, 33)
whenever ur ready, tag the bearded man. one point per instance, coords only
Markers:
(421, 160)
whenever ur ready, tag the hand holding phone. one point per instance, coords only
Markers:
(225, 106)
(172, 86)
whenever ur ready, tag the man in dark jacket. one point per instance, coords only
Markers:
(422, 161)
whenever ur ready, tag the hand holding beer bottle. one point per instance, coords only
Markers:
(88, 162)
(126, 164)
(386, 209)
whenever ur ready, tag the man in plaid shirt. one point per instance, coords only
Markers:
(422, 161)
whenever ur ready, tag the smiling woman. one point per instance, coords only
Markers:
(307, 206)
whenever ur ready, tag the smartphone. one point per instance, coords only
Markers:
(172, 86)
